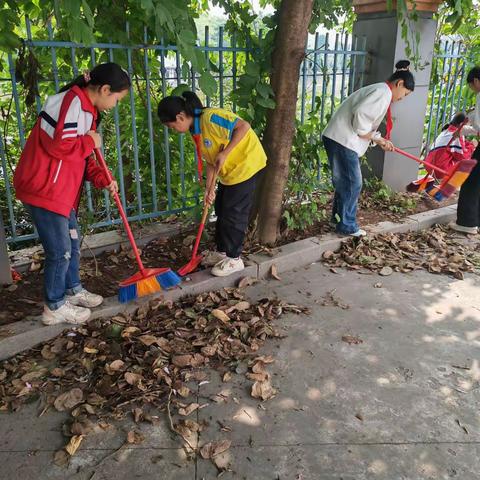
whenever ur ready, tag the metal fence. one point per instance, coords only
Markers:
(155, 168)
(448, 91)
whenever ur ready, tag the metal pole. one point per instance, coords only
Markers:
(5, 274)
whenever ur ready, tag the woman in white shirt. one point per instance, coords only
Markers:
(468, 209)
(349, 133)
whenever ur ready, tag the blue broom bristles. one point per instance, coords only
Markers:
(168, 279)
(128, 293)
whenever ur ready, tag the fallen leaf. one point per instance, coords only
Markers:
(246, 282)
(385, 271)
(351, 340)
(211, 449)
(67, 400)
(274, 273)
(227, 376)
(220, 315)
(134, 437)
(116, 365)
(133, 378)
(188, 409)
(74, 444)
(263, 390)
(61, 458)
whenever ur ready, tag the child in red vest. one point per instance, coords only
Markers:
(450, 146)
(49, 177)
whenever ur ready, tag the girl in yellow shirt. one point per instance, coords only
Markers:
(233, 152)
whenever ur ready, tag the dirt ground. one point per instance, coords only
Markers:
(102, 273)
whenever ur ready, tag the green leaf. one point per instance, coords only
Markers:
(252, 69)
(183, 87)
(88, 13)
(266, 102)
(264, 90)
(207, 83)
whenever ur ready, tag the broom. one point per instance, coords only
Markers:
(197, 259)
(453, 178)
(147, 280)
(428, 182)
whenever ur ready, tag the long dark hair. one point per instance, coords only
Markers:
(473, 74)
(403, 72)
(170, 107)
(108, 73)
(456, 121)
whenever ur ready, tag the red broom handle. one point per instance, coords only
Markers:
(131, 238)
(419, 160)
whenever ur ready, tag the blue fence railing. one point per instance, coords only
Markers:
(448, 91)
(155, 168)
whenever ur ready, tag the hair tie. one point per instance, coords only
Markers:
(86, 76)
(404, 69)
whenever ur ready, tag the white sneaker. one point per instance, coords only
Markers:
(67, 313)
(212, 258)
(460, 228)
(359, 233)
(85, 299)
(227, 266)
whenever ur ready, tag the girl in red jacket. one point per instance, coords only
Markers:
(450, 146)
(49, 177)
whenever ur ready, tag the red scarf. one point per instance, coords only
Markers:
(389, 118)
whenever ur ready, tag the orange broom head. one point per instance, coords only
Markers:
(457, 177)
(151, 280)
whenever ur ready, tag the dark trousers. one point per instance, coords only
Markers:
(232, 207)
(468, 210)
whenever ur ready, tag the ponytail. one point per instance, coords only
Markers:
(103, 74)
(403, 72)
(170, 107)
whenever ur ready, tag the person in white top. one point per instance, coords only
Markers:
(348, 135)
(468, 209)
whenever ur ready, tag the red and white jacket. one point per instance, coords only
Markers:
(57, 157)
(445, 152)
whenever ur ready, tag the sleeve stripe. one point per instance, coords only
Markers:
(48, 119)
(70, 125)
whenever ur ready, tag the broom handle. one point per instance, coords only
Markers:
(131, 238)
(419, 160)
(206, 208)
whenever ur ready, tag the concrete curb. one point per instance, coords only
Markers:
(30, 332)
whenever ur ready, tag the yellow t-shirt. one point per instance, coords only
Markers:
(245, 160)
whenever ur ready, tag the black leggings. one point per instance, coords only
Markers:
(468, 211)
(232, 207)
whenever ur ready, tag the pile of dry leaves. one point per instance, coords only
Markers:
(148, 362)
(434, 250)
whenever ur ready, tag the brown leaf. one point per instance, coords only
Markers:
(222, 461)
(246, 282)
(227, 376)
(188, 409)
(220, 315)
(351, 340)
(90, 350)
(116, 365)
(133, 378)
(135, 437)
(385, 271)
(47, 353)
(68, 400)
(328, 254)
(183, 391)
(61, 458)
(211, 449)
(274, 273)
(148, 339)
(74, 444)
(263, 390)
(129, 331)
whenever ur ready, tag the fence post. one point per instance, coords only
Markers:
(5, 274)
(385, 43)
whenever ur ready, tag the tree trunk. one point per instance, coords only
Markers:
(290, 42)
